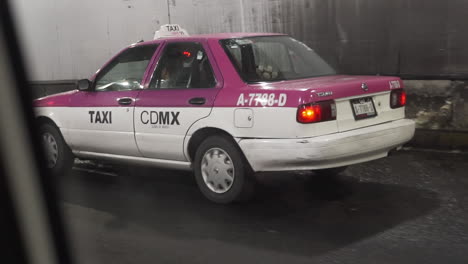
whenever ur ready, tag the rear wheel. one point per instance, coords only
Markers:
(58, 156)
(221, 171)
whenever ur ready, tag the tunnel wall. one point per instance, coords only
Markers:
(71, 39)
(415, 39)
(409, 38)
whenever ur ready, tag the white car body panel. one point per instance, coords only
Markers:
(328, 151)
(268, 122)
(82, 135)
(165, 141)
(345, 117)
(59, 117)
(169, 164)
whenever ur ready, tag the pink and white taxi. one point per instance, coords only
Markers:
(225, 106)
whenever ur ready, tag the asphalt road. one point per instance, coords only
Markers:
(408, 208)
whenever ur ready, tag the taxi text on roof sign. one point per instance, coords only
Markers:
(169, 31)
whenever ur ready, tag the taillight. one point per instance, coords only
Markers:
(397, 98)
(316, 112)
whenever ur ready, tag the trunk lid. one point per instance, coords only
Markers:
(343, 90)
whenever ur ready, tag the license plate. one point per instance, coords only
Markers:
(363, 108)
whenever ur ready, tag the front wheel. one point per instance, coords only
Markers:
(222, 172)
(58, 155)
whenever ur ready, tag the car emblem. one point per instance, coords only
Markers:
(321, 94)
(364, 87)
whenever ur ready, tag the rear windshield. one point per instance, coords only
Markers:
(274, 58)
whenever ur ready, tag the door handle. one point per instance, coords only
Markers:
(197, 101)
(125, 101)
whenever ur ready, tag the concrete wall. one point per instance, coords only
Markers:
(70, 39)
(414, 38)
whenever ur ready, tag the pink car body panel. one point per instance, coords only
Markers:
(55, 100)
(229, 83)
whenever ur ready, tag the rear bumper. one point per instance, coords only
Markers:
(329, 151)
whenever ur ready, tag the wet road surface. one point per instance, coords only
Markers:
(407, 208)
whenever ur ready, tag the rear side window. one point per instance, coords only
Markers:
(126, 71)
(183, 65)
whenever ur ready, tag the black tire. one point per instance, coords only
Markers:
(243, 184)
(331, 171)
(65, 157)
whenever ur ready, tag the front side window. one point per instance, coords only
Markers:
(274, 58)
(183, 65)
(126, 71)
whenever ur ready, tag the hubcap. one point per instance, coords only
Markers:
(217, 170)
(51, 149)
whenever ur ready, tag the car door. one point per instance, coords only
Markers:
(181, 91)
(101, 120)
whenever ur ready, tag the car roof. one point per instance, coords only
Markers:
(235, 35)
(216, 36)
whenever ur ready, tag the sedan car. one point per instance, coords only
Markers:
(225, 106)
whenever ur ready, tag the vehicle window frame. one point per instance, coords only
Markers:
(240, 72)
(161, 54)
(105, 68)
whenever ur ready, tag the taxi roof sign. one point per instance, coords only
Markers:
(170, 31)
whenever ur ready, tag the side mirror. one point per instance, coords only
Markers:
(83, 85)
